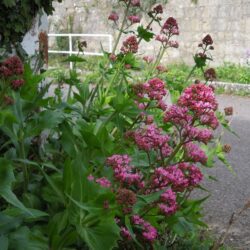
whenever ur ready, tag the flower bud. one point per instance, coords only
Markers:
(226, 148)
(228, 111)
(113, 16)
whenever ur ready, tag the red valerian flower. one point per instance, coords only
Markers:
(210, 74)
(16, 84)
(134, 19)
(104, 182)
(148, 59)
(155, 89)
(125, 233)
(123, 172)
(194, 153)
(198, 98)
(170, 26)
(170, 205)
(130, 45)
(173, 44)
(151, 137)
(161, 68)
(148, 231)
(12, 66)
(228, 111)
(112, 57)
(8, 100)
(136, 3)
(207, 40)
(113, 16)
(158, 9)
(125, 197)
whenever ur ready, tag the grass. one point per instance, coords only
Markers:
(228, 72)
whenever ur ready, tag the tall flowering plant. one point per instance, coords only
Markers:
(152, 195)
(112, 164)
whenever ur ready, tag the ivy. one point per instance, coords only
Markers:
(18, 17)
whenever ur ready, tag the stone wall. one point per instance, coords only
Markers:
(228, 22)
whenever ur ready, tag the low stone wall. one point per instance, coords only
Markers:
(228, 21)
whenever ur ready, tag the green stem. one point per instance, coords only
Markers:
(25, 167)
(122, 27)
(171, 157)
(158, 60)
(191, 73)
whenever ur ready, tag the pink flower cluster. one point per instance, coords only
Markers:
(125, 233)
(161, 68)
(207, 40)
(148, 59)
(192, 173)
(113, 16)
(103, 181)
(154, 89)
(196, 106)
(194, 153)
(170, 205)
(197, 134)
(17, 83)
(178, 115)
(12, 66)
(130, 45)
(179, 177)
(209, 119)
(169, 176)
(170, 27)
(199, 98)
(151, 137)
(158, 9)
(148, 231)
(123, 172)
(134, 19)
(136, 3)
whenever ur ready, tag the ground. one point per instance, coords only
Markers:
(231, 192)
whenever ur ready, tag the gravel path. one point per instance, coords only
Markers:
(231, 192)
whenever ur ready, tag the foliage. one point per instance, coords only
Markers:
(18, 18)
(101, 161)
(228, 72)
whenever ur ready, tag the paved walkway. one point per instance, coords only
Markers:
(231, 192)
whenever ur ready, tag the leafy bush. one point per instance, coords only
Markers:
(12, 30)
(105, 162)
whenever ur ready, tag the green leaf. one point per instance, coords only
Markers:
(23, 238)
(182, 227)
(4, 242)
(6, 179)
(144, 200)
(34, 213)
(7, 223)
(84, 206)
(103, 235)
(221, 156)
(130, 229)
(144, 34)
(7, 118)
(29, 90)
(200, 61)
(50, 118)
(9, 3)
(225, 123)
